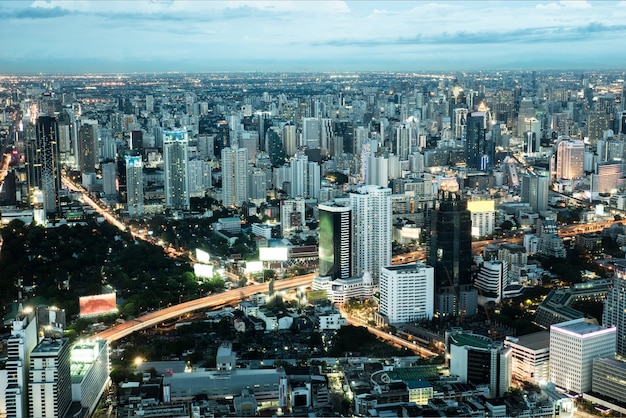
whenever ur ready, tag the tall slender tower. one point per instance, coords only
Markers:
(371, 226)
(175, 144)
(234, 176)
(614, 314)
(50, 385)
(44, 168)
(134, 178)
(451, 252)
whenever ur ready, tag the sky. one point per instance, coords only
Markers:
(116, 36)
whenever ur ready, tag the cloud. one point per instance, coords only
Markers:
(35, 13)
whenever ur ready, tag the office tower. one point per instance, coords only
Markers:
(292, 215)
(90, 372)
(108, 147)
(134, 188)
(491, 280)
(610, 149)
(88, 146)
(313, 179)
(479, 150)
(406, 293)
(535, 191)
(483, 214)
(149, 103)
(14, 385)
(573, 347)
(50, 383)
(567, 160)
(64, 139)
(376, 170)
(371, 227)
(598, 121)
(480, 361)
(311, 131)
(460, 123)
(530, 357)
(327, 136)
(403, 141)
(44, 170)
(300, 176)
(257, 186)
(136, 141)
(206, 146)
(175, 158)
(335, 241)
(234, 176)
(289, 139)
(607, 179)
(451, 253)
(609, 379)
(614, 314)
(109, 179)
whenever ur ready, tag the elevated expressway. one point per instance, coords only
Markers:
(209, 302)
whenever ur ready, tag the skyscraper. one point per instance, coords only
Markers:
(573, 347)
(134, 177)
(88, 146)
(535, 191)
(335, 241)
(175, 144)
(50, 385)
(14, 385)
(371, 226)
(292, 215)
(479, 151)
(289, 139)
(451, 252)
(567, 160)
(614, 314)
(44, 170)
(234, 176)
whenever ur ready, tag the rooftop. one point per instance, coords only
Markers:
(472, 340)
(49, 345)
(535, 341)
(579, 326)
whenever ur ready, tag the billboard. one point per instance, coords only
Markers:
(254, 267)
(203, 270)
(314, 295)
(97, 304)
(202, 256)
(273, 253)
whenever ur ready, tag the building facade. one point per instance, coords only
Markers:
(573, 347)
(175, 156)
(614, 314)
(335, 241)
(406, 292)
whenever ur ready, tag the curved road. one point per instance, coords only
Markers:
(208, 302)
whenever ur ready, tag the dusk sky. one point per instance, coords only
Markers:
(204, 36)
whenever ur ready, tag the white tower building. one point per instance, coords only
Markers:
(292, 215)
(614, 314)
(234, 176)
(406, 292)
(50, 385)
(573, 347)
(371, 229)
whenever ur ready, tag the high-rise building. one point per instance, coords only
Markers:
(609, 380)
(134, 192)
(109, 179)
(50, 382)
(614, 314)
(88, 146)
(406, 293)
(483, 216)
(292, 215)
(535, 191)
(372, 230)
(492, 279)
(574, 345)
(335, 241)
(289, 139)
(44, 169)
(531, 357)
(567, 160)
(479, 150)
(234, 176)
(90, 372)
(479, 360)
(175, 158)
(451, 252)
(14, 382)
(311, 130)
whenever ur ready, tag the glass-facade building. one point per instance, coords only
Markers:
(335, 241)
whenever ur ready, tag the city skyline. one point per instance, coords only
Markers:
(204, 36)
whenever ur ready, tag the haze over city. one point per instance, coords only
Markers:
(195, 36)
